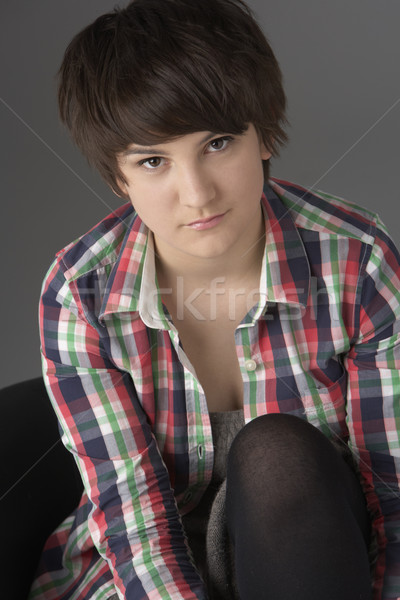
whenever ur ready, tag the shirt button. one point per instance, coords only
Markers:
(250, 365)
(200, 451)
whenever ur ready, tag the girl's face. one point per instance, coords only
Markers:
(199, 194)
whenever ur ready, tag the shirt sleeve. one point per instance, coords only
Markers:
(134, 521)
(373, 367)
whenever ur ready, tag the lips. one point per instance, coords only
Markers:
(206, 223)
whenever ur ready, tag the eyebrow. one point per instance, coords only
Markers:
(154, 150)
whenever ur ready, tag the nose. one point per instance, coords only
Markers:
(195, 186)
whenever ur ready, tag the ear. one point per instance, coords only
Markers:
(265, 154)
(121, 189)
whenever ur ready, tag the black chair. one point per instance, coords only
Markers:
(40, 483)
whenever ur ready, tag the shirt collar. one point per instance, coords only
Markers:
(132, 285)
(124, 284)
(285, 273)
(286, 266)
(150, 306)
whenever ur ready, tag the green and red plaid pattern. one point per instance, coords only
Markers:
(322, 344)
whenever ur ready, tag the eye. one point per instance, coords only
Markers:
(151, 163)
(220, 143)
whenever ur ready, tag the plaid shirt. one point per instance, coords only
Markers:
(322, 344)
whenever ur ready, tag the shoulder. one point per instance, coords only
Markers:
(327, 214)
(100, 246)
(109, 254)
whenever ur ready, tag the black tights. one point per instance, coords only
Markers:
(296, 515)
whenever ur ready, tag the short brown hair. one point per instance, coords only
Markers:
(159, 69)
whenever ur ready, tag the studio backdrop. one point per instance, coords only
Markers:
(340, 62)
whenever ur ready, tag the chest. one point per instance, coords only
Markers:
(207, 335)
(211, 349)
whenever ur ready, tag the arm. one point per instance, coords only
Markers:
(373, 366)
(134, 521)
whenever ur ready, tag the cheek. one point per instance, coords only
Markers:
(149, 195)
(152, 210)
(140, 205)
(249, 178)
(246, 172)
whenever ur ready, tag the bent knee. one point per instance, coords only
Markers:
(276, 443)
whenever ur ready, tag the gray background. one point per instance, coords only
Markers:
(341, 66)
